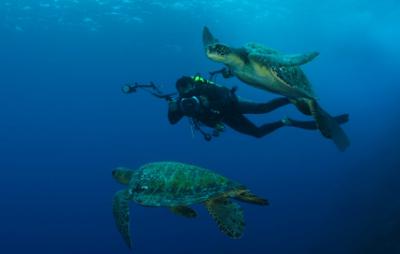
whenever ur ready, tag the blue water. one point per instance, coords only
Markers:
(65, 125)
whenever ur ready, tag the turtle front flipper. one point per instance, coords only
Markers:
(208, 38)
(329, 127)
(228, 215)
(184, 211)
(121, 215)
(280, 60)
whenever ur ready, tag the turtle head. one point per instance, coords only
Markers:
(219, 52)
(122, 175)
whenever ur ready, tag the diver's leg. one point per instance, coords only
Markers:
(312, 125)
(243, 125)
(250, 107)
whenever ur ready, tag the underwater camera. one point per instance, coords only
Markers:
(127, 88)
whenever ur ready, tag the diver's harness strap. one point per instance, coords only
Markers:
(151, 88)
(195, 124)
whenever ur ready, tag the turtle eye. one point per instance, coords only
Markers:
(221, 50)
(141, 188)
(218, 49)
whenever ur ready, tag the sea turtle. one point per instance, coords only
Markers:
(177, 186)
(270, 70)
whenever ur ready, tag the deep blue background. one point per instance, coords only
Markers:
(65, 125)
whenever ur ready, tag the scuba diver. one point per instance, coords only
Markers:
(209, 104)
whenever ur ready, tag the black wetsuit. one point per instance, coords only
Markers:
(220, 105)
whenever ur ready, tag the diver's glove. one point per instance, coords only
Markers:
(173, 105)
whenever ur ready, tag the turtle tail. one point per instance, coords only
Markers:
(248, 197)
(329, 127)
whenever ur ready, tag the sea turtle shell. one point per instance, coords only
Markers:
(292, 75)
(176, 184)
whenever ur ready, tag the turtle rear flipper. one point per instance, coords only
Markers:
(280, 60)
(248, 197)
(121, 215)
(184, 211)
(329, 127)
(228, 215)
(208, 38)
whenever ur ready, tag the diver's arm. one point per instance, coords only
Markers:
(226, 72)
(174, 114)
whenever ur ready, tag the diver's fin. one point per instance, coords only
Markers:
(121, 215)
(248, 197)
(208, 38)
(228, 216)
(184, 211)
(329, 127)
(283, 60)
